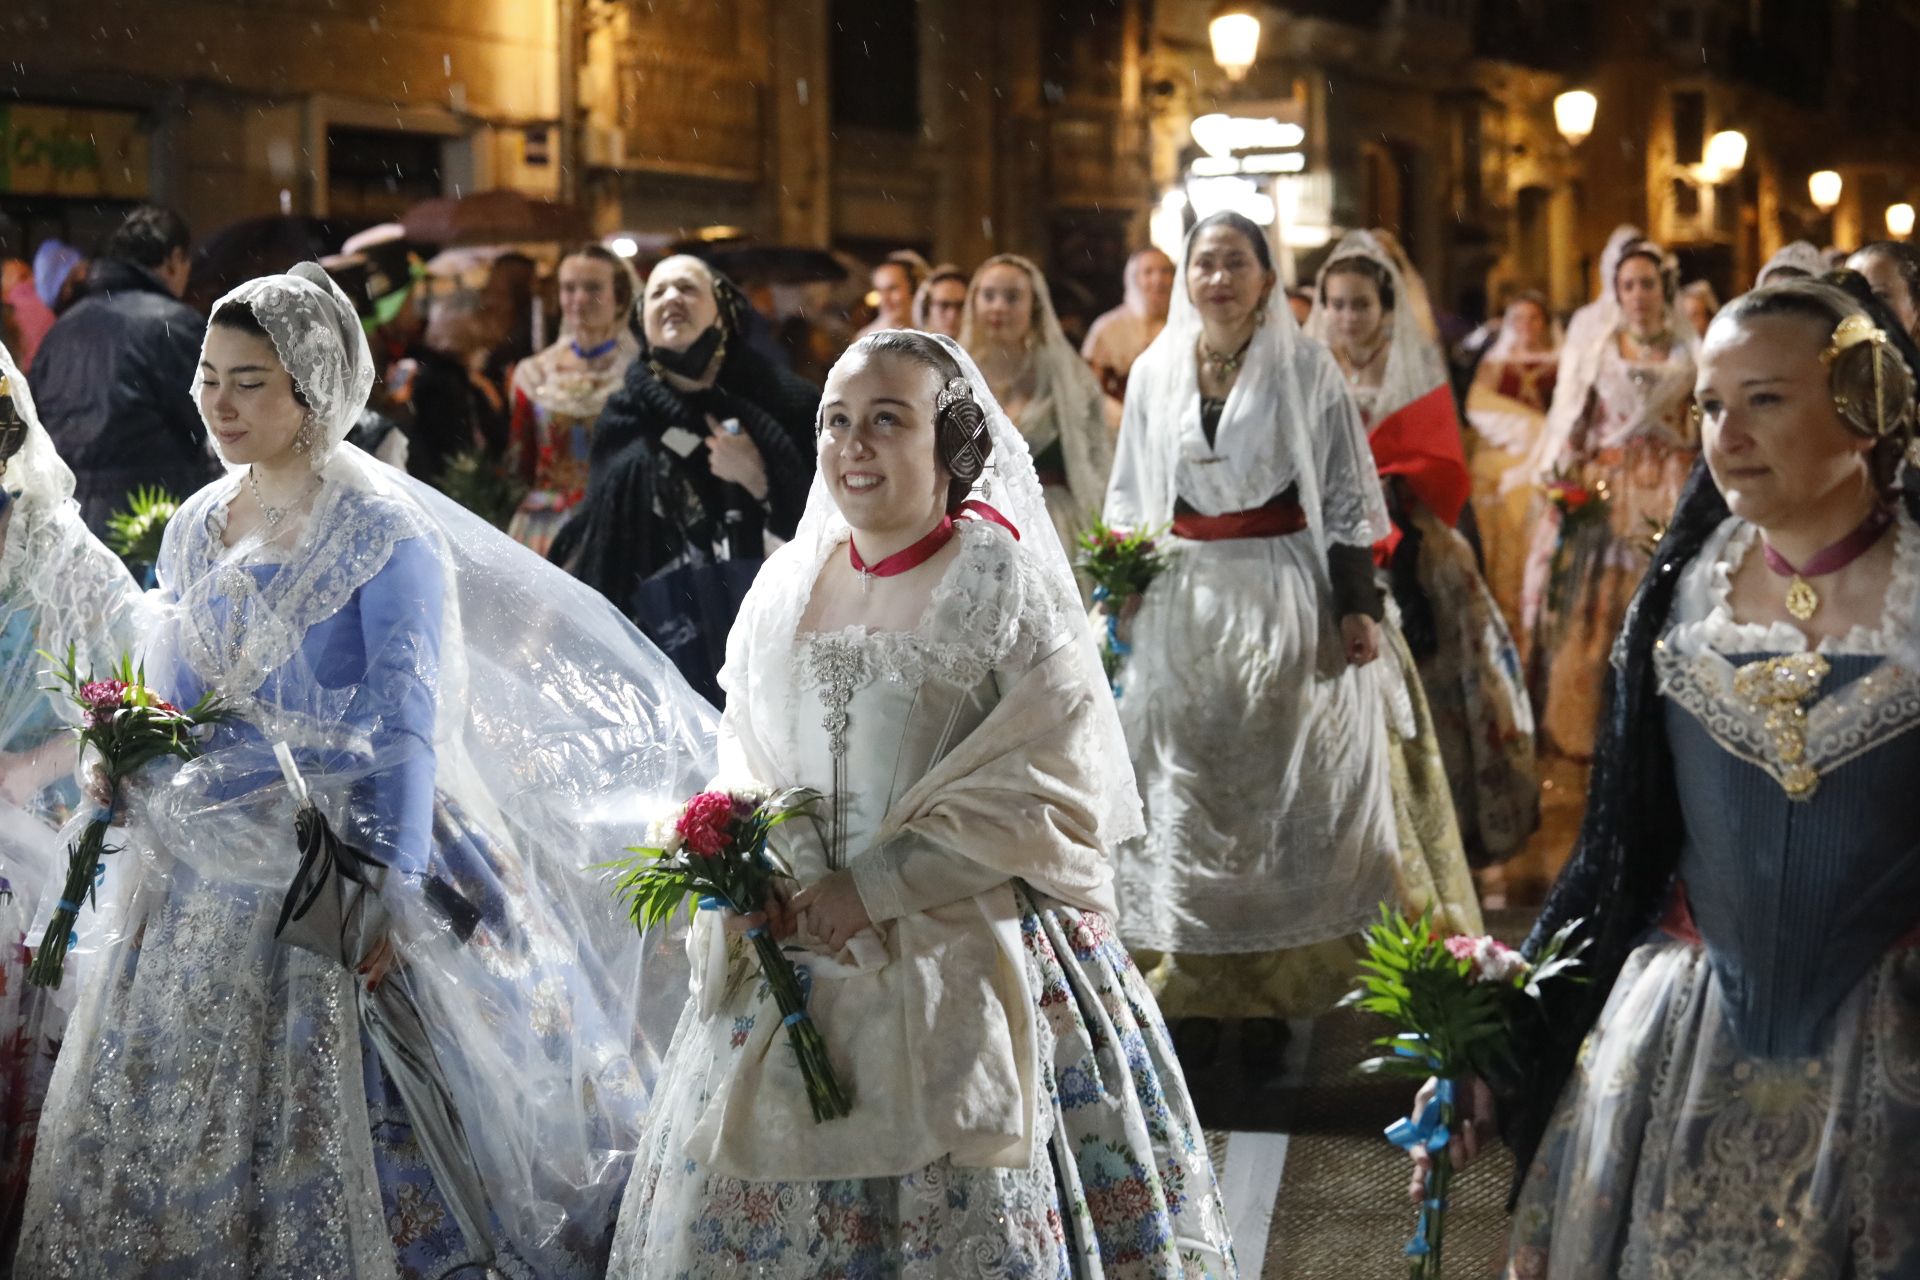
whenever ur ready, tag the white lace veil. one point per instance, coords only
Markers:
(1068, 406)
(1584, 350)
(538, 737)
(320, 340)
(1414, 363)
(1010, 485)
(1288, 422)
(35, 475)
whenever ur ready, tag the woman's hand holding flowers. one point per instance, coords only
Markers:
(831, 911)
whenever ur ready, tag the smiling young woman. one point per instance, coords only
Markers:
(928, 669)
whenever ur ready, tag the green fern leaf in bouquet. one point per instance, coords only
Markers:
(135, 534)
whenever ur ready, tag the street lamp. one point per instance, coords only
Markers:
(1573, 113)
(1824, 187)
(1725, 155)
(1235, 33)
(1900, 220)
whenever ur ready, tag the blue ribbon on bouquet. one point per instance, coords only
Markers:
(1115, 644)
(1429, 1130)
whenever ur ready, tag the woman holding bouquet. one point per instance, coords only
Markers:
(466, 717)
(1617, 430)
(1253, 717)
(921, 660)
(1737, 1089)
(58, 587)
(1459, 702)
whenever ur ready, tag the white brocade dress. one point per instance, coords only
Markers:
(1117, 1181)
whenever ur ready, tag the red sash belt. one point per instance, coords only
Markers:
(1276, 519)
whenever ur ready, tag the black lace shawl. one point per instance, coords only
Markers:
(1621, 874)
(646, 506)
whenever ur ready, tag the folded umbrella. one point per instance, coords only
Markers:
(333, 909)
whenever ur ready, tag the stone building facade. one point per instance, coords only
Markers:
(962, 127)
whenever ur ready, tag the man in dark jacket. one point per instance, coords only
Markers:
(114, 378)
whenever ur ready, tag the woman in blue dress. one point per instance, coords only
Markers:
(466, 716)
(1736, 1092)
(58, 586)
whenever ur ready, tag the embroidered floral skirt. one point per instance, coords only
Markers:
(1672, 1154)
(1122, 1187)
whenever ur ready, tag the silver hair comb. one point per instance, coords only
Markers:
(956, 390)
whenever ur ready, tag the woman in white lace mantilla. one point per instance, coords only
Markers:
(58, 587)
(1017, 1109)
(1046, 389)
(1462, 706)
(1253, 713)
(467, 717)
(1618, 426)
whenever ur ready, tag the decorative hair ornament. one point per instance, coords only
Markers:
(956, 390)
(1851, 332)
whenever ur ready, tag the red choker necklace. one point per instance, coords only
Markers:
(924, 550)
(910, 558)
(1802, 600)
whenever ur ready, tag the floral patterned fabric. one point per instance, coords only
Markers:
(1673, 1154)
(1120, 1184)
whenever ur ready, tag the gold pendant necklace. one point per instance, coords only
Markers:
(1802, 600)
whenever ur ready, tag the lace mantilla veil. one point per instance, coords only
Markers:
(1287, 422)
(545, 731)
(1414, 364)
(1010, 485)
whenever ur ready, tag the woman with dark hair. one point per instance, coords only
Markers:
(921, 660)
(695, 462)
(1251, 700)
(444, 1070)
(1892, 267)
(1735, 1083)
(1619, 438)
(1460, 711)
(558, 393)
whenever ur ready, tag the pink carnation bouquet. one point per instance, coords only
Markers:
(713, 849)
(1453, 1001)
(129, 727)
